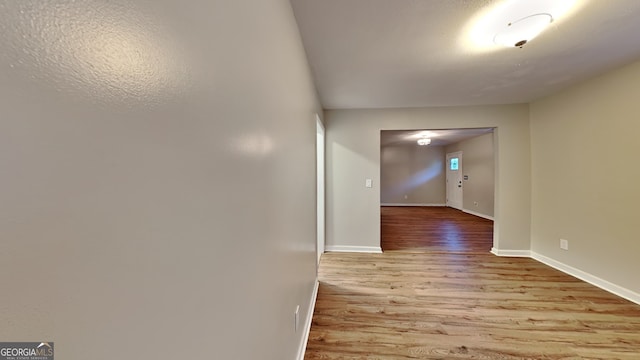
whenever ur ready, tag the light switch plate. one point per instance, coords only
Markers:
(368, 183)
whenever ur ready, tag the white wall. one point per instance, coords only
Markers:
(585, 176)
(412, 174)
(478, 164)
(155, 223)
(353, 154)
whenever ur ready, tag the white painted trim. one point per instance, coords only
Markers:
(570, 270)
(354, 249)
(320, 189)
(591, 279)
(407, 204)
(478, 214)
(302, 348)
(511, 253)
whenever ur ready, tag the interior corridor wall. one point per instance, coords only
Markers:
(147, 218)
(585, 177)
(353, 155)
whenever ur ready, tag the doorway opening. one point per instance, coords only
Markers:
(437, 190)
(320, 186)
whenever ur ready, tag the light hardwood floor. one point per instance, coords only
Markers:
(425, 302)
(434, 229)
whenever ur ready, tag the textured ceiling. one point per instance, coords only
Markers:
(411, 53)
(438, 137)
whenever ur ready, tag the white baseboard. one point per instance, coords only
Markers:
(511, 253)
(577, 273)
(354, 249)
(407, 204)
(478, 214)
(591, 279)
(307, 326)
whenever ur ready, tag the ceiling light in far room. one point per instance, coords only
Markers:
(520, 32)
(424, 141)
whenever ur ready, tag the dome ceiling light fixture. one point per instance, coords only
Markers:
(424, 141)
(515, 23)
(518, 33)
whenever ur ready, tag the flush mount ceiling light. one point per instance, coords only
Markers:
(520, 32)
(514, 23)
(424, 141)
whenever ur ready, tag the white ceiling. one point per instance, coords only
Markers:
(438, 137)
(408, 53)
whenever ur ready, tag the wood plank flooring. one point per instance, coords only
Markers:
(430, 303)
(443, 229)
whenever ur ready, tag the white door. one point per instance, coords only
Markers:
(320, 186)
(454, 180)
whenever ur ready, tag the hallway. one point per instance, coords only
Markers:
(435, 295)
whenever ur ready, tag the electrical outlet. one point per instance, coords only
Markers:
(475, 203)
(296, 317)
(564, 244)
